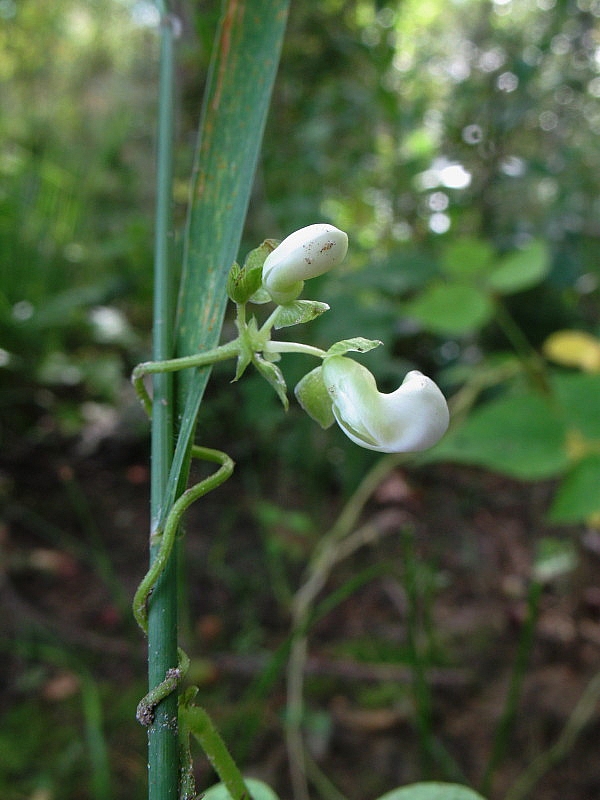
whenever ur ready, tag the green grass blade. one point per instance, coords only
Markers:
(235, 109)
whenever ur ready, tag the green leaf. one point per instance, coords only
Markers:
(522, 436)
(579, 494)
(258, 790)
(298, 311)
(579, 396)
(451, 309)
(356, 345)
(467, 258)
(272, 374)
(314, 398)
(432, 791)
(520, 270)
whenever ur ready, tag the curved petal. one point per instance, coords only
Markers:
(412, 418)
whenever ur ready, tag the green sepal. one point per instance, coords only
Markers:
(260, 297)
(257, 257)
(357, 345)
(258, 790)
(297, 312)
(243, 360)
(314, 398)
(273, 375)
(244, 282)
(254, 264)
(248, 344)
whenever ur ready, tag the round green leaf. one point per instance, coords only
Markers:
(521, 270)
(432, 791)
(452, 309)
(258, 790)
(521, 436)
(579, 494)
(579, 397)
(466, 258)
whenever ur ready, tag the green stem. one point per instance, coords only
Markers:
(268, 324)
(421, 690)
(293, 347)
(579, 719)
(509, 713)
(529, 356)
(168, 365)
(201, 727)
(163, 750)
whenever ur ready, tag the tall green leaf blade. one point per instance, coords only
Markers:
(234, 113)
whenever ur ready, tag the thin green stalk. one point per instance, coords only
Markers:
(202, 728)
(421, 690)
(507, 719)
(530, 358)
(294, 347)
(98, 752)
(163, 745)
(579, 719)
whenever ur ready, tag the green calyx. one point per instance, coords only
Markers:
(244, 283)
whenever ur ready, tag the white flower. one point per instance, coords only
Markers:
(304, 254)
(412, 418)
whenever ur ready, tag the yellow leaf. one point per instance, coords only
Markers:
(574, 349)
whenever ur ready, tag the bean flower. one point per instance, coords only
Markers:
(412, 418)
(304, 254)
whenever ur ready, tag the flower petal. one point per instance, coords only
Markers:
(412, 418)
(304, 254)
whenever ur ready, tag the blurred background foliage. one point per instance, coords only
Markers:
(456, 143)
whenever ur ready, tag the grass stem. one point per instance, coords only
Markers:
(163, 751)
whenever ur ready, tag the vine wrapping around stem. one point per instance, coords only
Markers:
(168, 535)
(175, 675)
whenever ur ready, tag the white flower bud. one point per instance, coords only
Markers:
(412, 418)
(304, 254)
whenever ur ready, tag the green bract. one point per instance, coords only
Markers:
(412, 418)
(304, 254)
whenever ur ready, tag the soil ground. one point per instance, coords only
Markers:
(408, 673)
